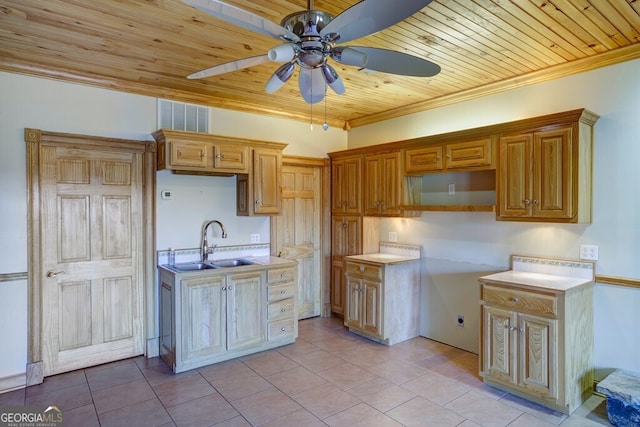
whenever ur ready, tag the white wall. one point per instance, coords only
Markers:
(63, 107)
(613, 93)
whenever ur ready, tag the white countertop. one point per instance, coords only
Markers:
(380, 258)
(551, 282)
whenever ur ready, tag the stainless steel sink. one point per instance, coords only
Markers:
(222, 263)
(192, 266)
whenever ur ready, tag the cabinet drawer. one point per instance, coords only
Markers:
(520, 300)
(364, 270)
(281, 328)
(286, 274)
(281, 309)
(279, 292)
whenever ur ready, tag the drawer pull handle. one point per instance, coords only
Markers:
(283, 310)
(514, 299)
(283, 292)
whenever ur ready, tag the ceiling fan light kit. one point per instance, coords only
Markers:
(310, 38)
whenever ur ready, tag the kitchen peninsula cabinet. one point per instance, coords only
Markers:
(537, 337)
(545, 174)
(383, 184)
(215, 315)
(382, 297)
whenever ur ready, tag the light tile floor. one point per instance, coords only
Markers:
(328, 377)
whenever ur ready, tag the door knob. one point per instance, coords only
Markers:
(51, 274)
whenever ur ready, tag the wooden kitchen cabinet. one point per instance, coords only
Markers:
(346, 185)
(382, 299)
(467, 155)
(260, 192)
(210, 317)
(192, 152)
(538, 343)
(282, 310)
(545, 175)
(346, 239)
(383, 184)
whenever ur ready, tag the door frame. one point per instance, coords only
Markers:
(324, 165)
(35, 138)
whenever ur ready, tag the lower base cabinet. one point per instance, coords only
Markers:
(208, 318)
(538, 344)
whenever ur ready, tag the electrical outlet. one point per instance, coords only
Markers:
(255, 238)
(166, 194)
(452, 189)
(393, 236)
(460, 321)
(589, 252)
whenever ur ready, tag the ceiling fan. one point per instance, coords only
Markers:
(310, 38)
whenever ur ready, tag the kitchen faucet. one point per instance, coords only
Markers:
(205, 250)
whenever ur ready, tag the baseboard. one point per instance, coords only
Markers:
(13, 382)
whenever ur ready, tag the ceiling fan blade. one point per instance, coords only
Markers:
(393, 62)
(242, 18)
(228, 67)
(370, 16)
(312, 84)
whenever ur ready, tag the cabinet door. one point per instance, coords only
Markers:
(515, 186)
(499, 337)
(353, 313)
(552, 195)
(267, 181)
(203, 325)
(337, 287)
(245, 316)
(188, 154)
(538, 351)
(425, 159)
(469, 154)
(346, 186)
(382, 184)
(231, 157)
(371, 321)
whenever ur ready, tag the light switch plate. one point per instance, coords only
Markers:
(255, 238)
(393, 236)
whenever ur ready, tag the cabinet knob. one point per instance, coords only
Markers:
(283, 292)
(224, 288)
(514, 299)
(535, 202)
(283, 329)
(512, 328)
(203, 155)
(229, 288)
(282, 310)
(257, 201)
(527, 201)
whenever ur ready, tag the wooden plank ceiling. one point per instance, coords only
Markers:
(149, 46)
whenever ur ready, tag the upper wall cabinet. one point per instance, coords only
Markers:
(545, 174)
(257, 164)
(346, 185)
(468, 155)
(260, 193)
(382, 184)
(191, 152)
